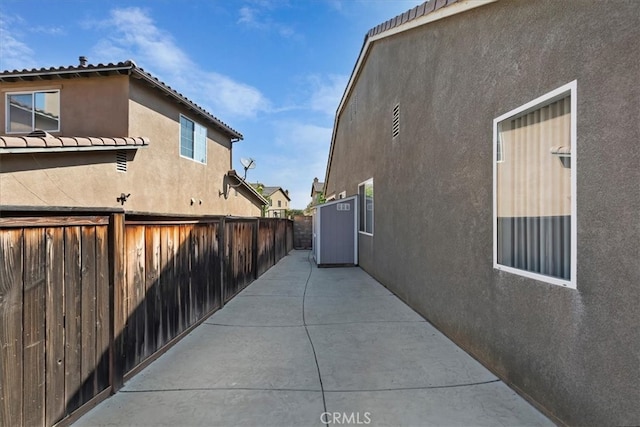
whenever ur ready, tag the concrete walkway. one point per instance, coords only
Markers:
(304, 346)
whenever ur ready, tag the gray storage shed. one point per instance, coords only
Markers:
(335, 233)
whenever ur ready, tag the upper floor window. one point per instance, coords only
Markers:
(279, 203)
(535, 188)
(193, 140)
(365, 194)
(28, 111)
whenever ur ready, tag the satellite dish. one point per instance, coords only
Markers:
(248, 164)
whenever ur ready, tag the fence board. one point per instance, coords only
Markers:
(103, 308)
(34, 327)
(73, 321)
(11, 309)
(55, 393)
(88, 312)
(117, 268)
(153, 330)
(135, 284)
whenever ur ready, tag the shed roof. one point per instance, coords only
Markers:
(48, 143)
(121, 68)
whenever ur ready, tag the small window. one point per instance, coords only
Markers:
(342, 195)
(534, 188)
(365, 196)
(395, 121)
(279, 203)
(193, 140)
(28, 111)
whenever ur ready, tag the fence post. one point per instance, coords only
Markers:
(116, 300)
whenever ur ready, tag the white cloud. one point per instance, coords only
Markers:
(248, 16)
(134, 35)
(327, 92)
(14, 53)
(256, 18)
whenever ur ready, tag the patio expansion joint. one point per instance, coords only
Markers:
(253, 326)
(416, 388)
(314, 324)
(162, 390)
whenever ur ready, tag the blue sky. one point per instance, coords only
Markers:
(272, 69)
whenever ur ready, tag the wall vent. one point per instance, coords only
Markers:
(121, 161)
(395, 122)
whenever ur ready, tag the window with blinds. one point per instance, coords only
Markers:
(534, 188)
(193, 140)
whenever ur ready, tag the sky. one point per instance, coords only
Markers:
(274, 70)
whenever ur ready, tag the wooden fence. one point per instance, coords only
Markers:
(87, 300)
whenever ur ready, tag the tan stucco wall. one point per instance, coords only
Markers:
(573, 351)
(94, 106)
(158, 179)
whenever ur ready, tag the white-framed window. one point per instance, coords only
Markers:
(365, 197)
(28, 111)
(193, 140)
(342, 195)
(534, 188)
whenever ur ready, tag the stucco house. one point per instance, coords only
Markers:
(278, 199)
(494, 147)
(110, 135)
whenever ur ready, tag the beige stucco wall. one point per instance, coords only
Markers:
(158, 179)
(94, 106)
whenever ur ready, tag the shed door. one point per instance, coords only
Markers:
(337, 224)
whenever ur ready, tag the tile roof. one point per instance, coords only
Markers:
(411, 14)
(32, 144)
(121, 68)
(268, 191)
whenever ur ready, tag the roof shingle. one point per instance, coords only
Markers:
(42, 144)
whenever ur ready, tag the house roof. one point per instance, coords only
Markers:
(317, 187)
(48, 143)
(425, 13)
(121, 68)
(268, 191)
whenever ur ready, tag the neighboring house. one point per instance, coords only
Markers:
(114, 135)
(317, 191)
(502, 142)
(279, 201)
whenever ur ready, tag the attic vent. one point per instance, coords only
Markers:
(40, 134)
(121, 161)
(395, 122)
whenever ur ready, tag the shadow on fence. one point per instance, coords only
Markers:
(89, 299)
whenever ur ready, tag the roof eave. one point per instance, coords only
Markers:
(244, 184)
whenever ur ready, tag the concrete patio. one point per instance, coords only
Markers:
(303, 346)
